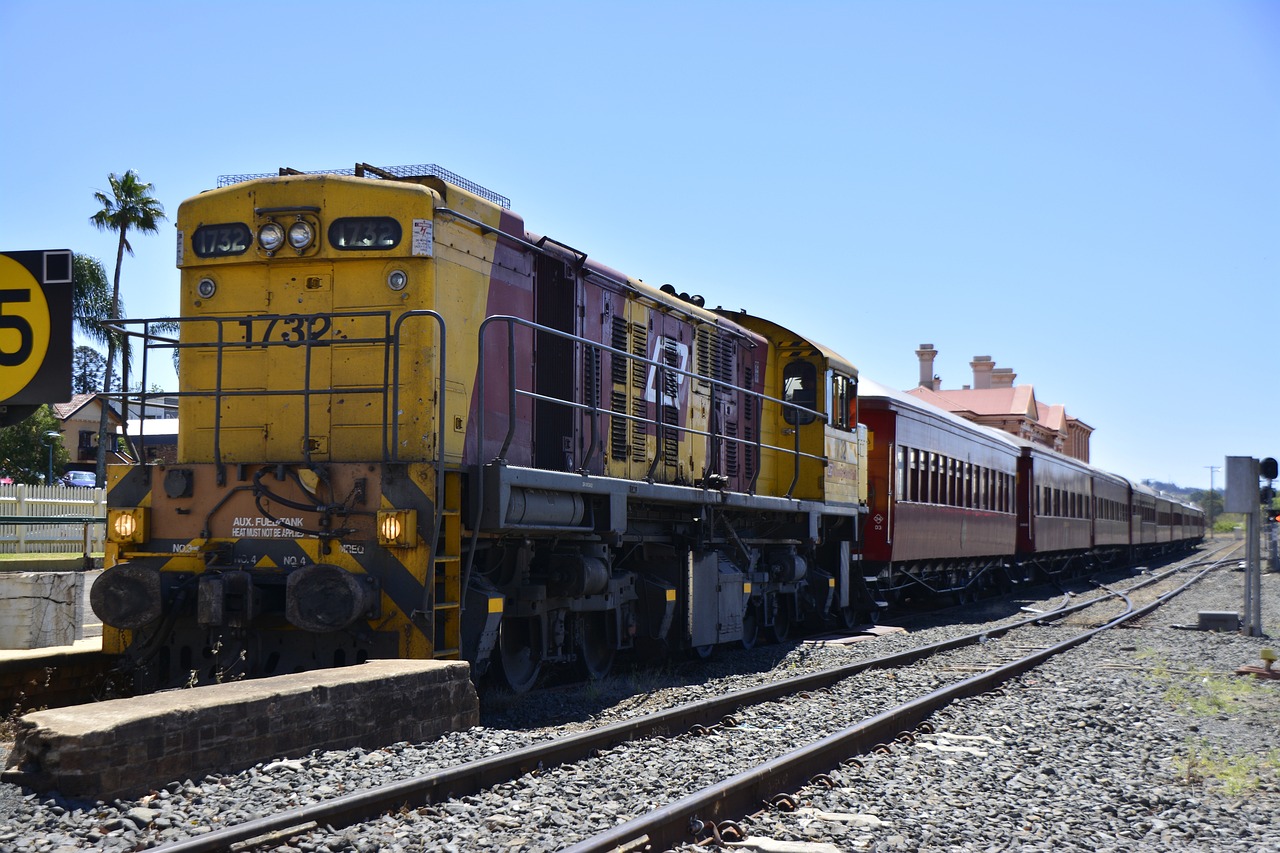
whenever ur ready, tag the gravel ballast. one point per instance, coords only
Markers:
(1138, 740)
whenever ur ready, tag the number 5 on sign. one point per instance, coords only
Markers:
(35, 328)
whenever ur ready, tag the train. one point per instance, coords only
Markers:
(410, 427)
(967, 510)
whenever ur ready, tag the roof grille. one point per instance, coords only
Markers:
(363, 170)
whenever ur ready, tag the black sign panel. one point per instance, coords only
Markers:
(35, 330)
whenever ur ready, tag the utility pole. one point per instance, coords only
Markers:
(1211, 468)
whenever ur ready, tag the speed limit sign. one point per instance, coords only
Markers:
(35, 331)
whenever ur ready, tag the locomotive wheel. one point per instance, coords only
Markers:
(780, 631)
(848, 618)
(516, 641)
(595, 647)
(750, 627)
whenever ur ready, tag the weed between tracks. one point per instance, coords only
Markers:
(1234, 773)
(1220, 700)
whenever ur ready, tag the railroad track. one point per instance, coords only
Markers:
(835, 714)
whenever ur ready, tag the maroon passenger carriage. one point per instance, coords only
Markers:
(959, 508)
(1072, 516)
(941, 497)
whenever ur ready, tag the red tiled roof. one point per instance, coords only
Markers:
(63, 411)
(69, 408)
(1020, 400)
(1054, 417)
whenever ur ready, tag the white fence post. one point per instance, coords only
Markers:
(22, 511)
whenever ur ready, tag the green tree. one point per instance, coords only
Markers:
(88, 368)
(1210, 502)
(130, 206)
(24, 448)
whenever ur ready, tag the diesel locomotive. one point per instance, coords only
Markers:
(410, 427)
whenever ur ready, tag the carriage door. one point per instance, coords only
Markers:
(554, 365)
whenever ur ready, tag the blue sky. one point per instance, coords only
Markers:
(1088, 192)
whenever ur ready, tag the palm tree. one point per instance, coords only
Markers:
(91, 300)
(130, 205)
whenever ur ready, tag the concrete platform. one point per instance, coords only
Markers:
(125, 747)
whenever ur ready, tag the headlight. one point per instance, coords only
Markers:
(206, 288)
(397, 280)
(300, 234)
(398, 527)
(127, 525)
(271, 236)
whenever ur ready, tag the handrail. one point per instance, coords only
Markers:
(513, 393)
(441, 412)
(390, 339)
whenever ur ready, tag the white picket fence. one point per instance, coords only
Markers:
(75, 537)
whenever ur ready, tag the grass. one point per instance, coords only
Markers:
(1233, 773)
(1208, 695)
(1203, 693)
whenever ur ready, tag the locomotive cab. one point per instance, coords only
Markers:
(816, 419)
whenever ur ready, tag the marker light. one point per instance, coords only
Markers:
(127, 525)
(206, 288)
(397, 280)
(398, 527)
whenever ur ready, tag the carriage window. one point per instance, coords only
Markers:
(935, 488)
(916, 475)
(800, 388)
(899, 488)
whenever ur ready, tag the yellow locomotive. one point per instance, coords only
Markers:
(411, 428)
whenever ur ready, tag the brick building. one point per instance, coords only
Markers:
(995, 401)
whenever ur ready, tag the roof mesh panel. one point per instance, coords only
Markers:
(420, 171)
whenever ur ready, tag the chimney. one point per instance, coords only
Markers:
(982, 366)
(927, 354)
(1002, 377)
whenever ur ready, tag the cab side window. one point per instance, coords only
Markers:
(840, 402)
(799, 388)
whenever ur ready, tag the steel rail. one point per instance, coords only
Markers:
(471, 777)
(742, 794)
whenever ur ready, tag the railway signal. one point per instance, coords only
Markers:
(35, 331)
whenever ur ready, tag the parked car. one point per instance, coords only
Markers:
(86, 479)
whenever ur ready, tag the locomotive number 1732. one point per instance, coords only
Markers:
(290, 329)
